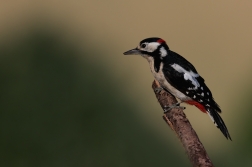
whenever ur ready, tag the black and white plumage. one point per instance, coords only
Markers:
(178, 76)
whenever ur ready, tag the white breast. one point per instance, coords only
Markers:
(163, 82)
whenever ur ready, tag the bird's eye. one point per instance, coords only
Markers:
(143, 45)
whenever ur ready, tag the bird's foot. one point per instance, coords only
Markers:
(176, 105)
(158, 89)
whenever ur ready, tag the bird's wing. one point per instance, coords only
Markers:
(189, 83)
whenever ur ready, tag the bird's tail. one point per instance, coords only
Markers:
(216, 118)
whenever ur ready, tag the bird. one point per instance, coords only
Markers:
(178, 76)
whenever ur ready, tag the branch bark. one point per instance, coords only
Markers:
(178, 122)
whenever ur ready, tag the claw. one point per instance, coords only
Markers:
(158, 89)
(176, 105)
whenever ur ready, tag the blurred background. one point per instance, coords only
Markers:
(69, 97)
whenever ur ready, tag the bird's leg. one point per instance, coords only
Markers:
(176, 105)
(158, 89)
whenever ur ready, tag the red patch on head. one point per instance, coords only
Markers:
(196, 104)
(160, 41)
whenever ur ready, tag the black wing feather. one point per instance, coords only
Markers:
(177, 80)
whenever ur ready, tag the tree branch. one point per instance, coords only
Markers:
(178, 122)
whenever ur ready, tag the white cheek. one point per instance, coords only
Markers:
(151, 47)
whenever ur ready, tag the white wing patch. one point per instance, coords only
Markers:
(188, 75)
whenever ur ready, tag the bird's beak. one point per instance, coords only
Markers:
(133, 52)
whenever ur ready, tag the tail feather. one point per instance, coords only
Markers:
(216, 118)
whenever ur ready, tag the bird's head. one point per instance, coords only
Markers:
(150, 47)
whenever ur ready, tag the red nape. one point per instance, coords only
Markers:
(160, 41)
(198, 105)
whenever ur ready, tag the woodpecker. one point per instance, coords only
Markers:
(178, 76)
